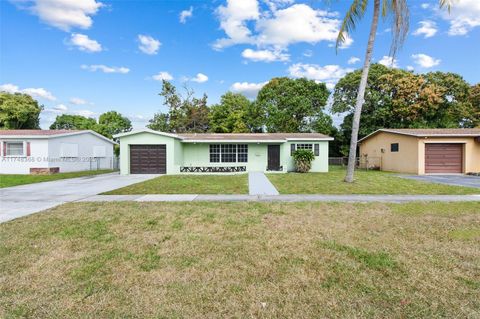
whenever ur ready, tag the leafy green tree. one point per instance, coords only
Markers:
(474, 98)
(111, 123)
(160, 122)
(73, 122)
(185, 114)
(400, 99)
(19, 111)
(292, 105)
(231, 115)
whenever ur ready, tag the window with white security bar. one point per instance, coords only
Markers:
(228, 153)
(315, 148)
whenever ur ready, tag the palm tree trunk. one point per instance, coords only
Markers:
(361, 94)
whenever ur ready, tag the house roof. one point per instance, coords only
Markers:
(234, 137)
(436, 132)
(252, 136)
(37, 134)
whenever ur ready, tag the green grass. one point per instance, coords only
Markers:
(242, 260)
(8, 180)
(188, 184)
(366, 182)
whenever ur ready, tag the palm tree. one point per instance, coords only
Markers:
(400, 22)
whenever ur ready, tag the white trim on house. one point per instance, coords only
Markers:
(233, 141)
(426, 135)
(26, 136)
(291, 139)
(146, 131)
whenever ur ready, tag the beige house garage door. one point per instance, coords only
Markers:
(443, 158)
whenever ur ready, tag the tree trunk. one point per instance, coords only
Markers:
(361, 94)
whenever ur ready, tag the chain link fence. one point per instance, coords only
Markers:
(362, 162)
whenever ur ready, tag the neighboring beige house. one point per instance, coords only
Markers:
(423, 151)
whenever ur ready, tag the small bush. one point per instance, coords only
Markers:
(303, 160)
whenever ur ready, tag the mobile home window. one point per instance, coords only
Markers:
(14, 149)
(214, 153)
(394, 147)
(229, 153)
(305, 147)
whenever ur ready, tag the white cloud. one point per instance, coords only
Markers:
(463, 17)
(243, 23)
(162, 76)
(78, 101)
(233, 21)
(410, 68)
(84, 43)
(388, 61)
(353, 60)
(250, 90)
(60, 108)
(427, 28)
(148, 45)
(86, 113)
(34, 92)
(425, 61)
(329, 74)
(265, 55)
(308, 53)
(200, 78)
(63, 14)
(105, 69)
(425, 5)
(185, 14)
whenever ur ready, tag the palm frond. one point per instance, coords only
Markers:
(355, 13)
(446, 3)
(400, 23)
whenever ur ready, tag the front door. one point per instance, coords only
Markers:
(273, 158)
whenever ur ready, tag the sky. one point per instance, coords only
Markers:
(87, 56)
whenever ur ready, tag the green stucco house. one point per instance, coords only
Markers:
(151, 152)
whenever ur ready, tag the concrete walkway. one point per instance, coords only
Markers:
(285, 198)
(27, 199)
(258, 184)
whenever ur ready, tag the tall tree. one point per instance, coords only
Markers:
(231, 114)
(73, 122)
(19, 111)
(474, 98)
(112, 122)
(400, 99)
(292, 105)
(400, 23)
(185, 114)
(160, 122)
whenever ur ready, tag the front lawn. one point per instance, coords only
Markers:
(8, 180)
(188, 184)
(366, 182)
(242, 260)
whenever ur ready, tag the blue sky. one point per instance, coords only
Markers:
(88, 57)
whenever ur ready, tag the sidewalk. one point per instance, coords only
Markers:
(285, 198)
(258, 184)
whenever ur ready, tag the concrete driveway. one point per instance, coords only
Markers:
(24, 200)
(455, 180)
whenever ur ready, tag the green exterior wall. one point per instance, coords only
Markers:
(198, 154)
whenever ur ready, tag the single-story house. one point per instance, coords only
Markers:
(423, 151)
(152, 152)
(53, 151)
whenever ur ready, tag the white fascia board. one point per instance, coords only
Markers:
(147, 131)
(311, 139)
(39, 137)
(234, 141)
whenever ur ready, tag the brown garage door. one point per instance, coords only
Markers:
(148, 159)
(443, 158)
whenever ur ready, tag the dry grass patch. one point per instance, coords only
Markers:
(215, 260)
